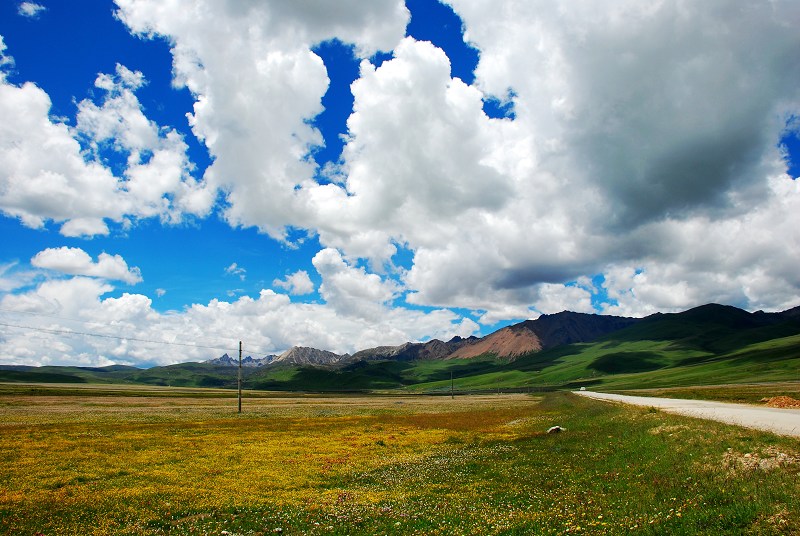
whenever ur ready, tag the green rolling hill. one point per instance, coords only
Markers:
(711, 344)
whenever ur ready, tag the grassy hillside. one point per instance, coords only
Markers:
(703, 346)
(370, 375)
(711, 344)
(111, 374)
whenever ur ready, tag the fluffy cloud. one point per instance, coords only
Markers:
(556, 298)
(46, 174)
(352, 291)
(5, 59)
(43, 174)
(643, 149)
(75, 261)
(72, 297)
(12, 279)
(650, 138)
(257, 84)
(667, 107)
(632, 120)
(748, 260)
(297, 284)
(236, 270)
(128, 330)
(639, 129)
(421, 154)
(30, 9)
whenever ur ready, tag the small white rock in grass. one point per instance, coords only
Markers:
(555, 430)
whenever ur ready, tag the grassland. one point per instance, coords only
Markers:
(751, 393)
(86, 464)
(643, 357)
(708, 345)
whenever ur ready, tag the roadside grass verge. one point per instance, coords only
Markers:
(386, 465)
(742, 393)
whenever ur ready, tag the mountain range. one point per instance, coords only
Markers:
(710, 344)
(545, 332)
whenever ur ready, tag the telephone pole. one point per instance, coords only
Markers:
(452, 394)
(240, 376)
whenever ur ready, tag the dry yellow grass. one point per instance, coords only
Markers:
(383, 465)
(125, 461)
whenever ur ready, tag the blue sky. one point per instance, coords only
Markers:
(63, 50)
(344, 177)
(59, 50)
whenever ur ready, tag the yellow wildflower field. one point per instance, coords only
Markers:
(115, 463)
(123, 464)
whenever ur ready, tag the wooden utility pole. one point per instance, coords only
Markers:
(240, 376)
(452, 395)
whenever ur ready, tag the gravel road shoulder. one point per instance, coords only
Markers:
(776, 420)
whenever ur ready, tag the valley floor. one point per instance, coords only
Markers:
(80, 463)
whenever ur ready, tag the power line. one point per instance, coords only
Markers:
(117, 337)
(45, 315)
(86, 323)
(121, 338)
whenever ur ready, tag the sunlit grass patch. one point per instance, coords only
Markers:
(473, 465)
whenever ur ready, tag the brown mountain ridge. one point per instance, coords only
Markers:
(545, 332)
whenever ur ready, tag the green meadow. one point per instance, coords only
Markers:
(411, 447)
(177, 461)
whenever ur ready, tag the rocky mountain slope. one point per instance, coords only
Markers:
(302, 355)
(545, 332)
(412, 351)
(227, 361)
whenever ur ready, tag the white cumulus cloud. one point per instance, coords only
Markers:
(644, 152)
(30, 9)
(45, 174)
(132, 332)
(638, 126)
(297, 284)
(75, 261)
(257, 84)
(350, 290)
(645, 138)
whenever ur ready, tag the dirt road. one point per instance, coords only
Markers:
(779, 421)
